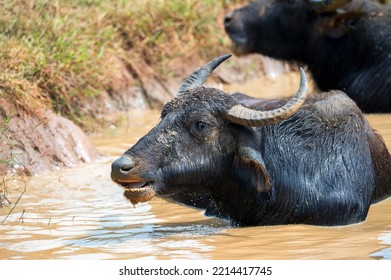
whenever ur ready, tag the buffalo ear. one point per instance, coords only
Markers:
(340, 24)
(252, 159)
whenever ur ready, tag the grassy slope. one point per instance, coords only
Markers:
(60, 53)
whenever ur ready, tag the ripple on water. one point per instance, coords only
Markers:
(97, 222)
(384, 254)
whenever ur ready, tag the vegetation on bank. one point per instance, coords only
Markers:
(60, 54)
(3, 161)
(17, 178)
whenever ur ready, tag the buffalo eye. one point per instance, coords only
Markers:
(200, 129)
(200, 126)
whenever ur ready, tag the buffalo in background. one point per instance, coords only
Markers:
(346, 46)
(313, 160)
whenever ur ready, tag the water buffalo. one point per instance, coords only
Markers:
(314, 161)
(347, 48)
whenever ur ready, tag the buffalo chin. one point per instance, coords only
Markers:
(138, 195)
(137, 192)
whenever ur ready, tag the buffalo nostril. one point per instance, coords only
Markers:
(122, 166)
(228, 18)
(127, 167)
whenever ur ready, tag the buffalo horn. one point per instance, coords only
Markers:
(244, 116)
(323, 6)
(199, 76)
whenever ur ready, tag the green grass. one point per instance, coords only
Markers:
(62, 53)
(53, 54)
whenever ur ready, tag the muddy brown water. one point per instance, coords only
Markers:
(78, 213)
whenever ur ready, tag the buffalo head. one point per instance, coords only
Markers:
(289, 29)
(203, 137)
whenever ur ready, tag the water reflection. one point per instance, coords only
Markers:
(88, 217)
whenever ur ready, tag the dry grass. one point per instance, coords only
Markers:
(61, 53)
(5, 162)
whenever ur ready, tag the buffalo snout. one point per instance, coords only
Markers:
(120, 169)
(232, 22)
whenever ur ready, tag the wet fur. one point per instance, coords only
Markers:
(323, 166)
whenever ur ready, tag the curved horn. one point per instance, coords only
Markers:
(245, 116)
(199, 76)
(322, 6)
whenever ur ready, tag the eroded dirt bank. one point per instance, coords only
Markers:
(43, 141)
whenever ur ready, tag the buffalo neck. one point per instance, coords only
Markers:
(237, 199)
